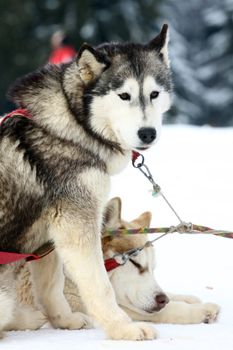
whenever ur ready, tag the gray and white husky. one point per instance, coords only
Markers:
(55, 170)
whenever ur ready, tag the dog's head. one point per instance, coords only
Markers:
(116, 93)
(127, 89)
(134, 283)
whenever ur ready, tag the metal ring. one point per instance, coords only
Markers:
(138, 165)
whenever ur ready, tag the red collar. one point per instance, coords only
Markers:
(110, 264)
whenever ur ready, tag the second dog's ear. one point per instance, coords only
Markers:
(160, 44)
(112, 213)
(143, 220)
(91, 63)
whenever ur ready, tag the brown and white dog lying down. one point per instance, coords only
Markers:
(136, 289)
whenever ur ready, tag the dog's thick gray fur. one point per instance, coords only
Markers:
(87, 116)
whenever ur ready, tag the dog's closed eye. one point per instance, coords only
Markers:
(140, 268)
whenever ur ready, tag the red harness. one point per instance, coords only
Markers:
(7, 257)
(20, 111)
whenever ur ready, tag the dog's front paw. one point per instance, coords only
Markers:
(133, 331)
(75, 320)
(26, 318)
(36, 321)
(210, 312)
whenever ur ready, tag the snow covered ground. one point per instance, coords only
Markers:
(194, 167)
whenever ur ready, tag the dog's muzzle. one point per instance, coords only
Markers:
(147, 135)
(161, 301)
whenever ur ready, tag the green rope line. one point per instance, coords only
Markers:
(204, 229)
(132, 231)
(145, 230)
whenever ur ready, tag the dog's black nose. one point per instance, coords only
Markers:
(161, 301)
(147, 135)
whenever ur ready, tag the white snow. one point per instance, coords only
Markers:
(195, 170)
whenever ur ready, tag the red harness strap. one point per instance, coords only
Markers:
(111, 264)
(7, 258)
(20, 111)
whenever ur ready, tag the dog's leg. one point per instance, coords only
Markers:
(190, 299)
(7, 301)
(79, 245)
(180, 313)
(73, 296)
(48, 285)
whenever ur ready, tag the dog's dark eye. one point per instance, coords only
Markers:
(154, 94)
(138, 266)
(124, 96)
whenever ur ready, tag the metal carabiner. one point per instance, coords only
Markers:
(127, 255)
(135, 157)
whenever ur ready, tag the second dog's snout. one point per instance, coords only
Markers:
(161, 300)
(147, 135)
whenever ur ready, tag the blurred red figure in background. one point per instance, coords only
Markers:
(62, 51)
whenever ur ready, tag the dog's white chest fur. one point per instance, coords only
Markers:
(118, 162)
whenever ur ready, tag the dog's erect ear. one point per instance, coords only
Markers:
(91, 63)
(143, 220)
(160, 44)
(112, 213)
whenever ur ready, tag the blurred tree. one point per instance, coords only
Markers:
(26, 27)
(202, 60)
(184, 37)
(216, 62)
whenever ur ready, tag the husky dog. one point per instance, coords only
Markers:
(136, 289)
(55, 170)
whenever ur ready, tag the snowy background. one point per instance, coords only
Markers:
(194, 167)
